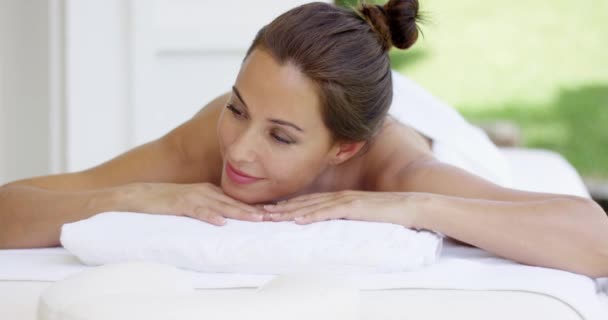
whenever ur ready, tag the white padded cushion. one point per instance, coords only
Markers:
(111, 282)
(154, 292)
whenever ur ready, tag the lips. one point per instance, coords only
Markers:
(238, 176)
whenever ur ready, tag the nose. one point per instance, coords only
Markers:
(243, 148)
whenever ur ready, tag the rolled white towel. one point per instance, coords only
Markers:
(249, 247)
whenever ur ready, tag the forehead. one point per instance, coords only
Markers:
(280, 91)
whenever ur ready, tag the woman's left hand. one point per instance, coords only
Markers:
(391, 207)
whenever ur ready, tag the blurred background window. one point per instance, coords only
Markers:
(540, 64)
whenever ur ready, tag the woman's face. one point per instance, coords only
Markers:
(271, 129)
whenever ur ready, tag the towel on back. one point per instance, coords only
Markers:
(455, 141)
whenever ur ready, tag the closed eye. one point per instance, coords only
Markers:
(280, 140)
(235, 111)
(240, 115)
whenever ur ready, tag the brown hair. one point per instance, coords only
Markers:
(345, 52)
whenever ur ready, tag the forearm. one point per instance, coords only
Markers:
(564, 233)
(32, 217)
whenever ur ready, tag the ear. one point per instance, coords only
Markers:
(344, 151)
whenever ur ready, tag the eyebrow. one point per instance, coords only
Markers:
(277, 121)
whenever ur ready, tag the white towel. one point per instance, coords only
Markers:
(249, 247)
(455, 141)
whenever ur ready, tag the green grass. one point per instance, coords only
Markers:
(575, 124)
(540, 63)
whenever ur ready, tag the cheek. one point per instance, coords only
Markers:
(292, 168)
(280, 168)
(226, 133)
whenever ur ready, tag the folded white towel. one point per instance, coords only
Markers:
(249, 247)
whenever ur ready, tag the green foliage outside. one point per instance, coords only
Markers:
(540, 63)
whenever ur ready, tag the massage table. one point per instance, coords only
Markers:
(534, 170)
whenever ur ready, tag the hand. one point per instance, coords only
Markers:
(391, 207)
(202, 201)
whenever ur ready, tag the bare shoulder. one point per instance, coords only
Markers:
(396, 146)
(197, 139)
(401, 159)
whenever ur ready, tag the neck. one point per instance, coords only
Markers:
(324, 182)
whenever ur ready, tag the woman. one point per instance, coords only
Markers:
(304, 135)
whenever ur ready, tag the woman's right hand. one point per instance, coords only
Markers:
(203, 201)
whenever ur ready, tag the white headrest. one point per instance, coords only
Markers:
(154, 292)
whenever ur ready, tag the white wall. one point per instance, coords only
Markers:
(97, 79)
(85, 80)
(138, 68)
(24, 89)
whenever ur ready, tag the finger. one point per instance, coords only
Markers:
(236, 203)
(323, 214)
(281, 204)
(302, 211)
(266, 215)
(294, 210)
(218, 194)
(234, 212)
(343, 208)
(306, 200)
(206, 215)
(289, 206)
(306, 197)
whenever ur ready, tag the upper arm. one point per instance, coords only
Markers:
(428, 174)
(176, 157)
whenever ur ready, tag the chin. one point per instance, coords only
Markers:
(244, 195)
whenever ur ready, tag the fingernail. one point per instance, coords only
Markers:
(274, 216)
(258, 216)
(269, 207)
(221, 220)
(300, 218)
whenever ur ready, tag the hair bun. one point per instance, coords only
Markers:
(395, 22)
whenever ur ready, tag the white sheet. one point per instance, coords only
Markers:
(459, 267)
(540, 170)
